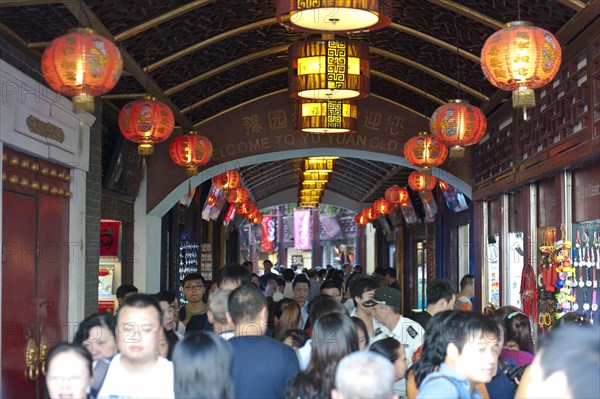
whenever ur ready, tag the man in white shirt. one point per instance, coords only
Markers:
(137, 371)
(408, 332)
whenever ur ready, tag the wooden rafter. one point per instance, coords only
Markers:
(469, 13)
(395, 170)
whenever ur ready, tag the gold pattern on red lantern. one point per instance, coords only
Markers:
(146, 122)
(381, 207)
(82, 64)
(370, 213)
(360, 219)
(458, 124)
(245, 207)
(228, 180)
(420, 181)
(425, 151)
(191, 150)
(395, 195)
(521, 58)
(237, 195)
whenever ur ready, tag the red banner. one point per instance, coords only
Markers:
(109, 238)
(268, 234)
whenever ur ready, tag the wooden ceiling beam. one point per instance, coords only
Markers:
(225, 67)
(86, 17)
(438, 42)
(429, 71)
(270, 21)
(408, 86)
(236, 86)
(395, 170)
(573, 4)
(211, 40)
(161, 19)
(469, 13)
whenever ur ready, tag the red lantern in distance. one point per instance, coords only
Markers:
(191, 150)
(395, 195)
(420, 181)
(227, 181)
(146, 122)
(381, 207)
(425, 151)
(360, 219)
(237, 195)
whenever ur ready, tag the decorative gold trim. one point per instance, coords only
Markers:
(45, 129)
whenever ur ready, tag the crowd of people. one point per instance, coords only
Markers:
(328, 333)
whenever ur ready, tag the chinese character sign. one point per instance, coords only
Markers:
(302, 233)
(268, 234)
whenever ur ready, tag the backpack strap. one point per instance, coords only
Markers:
(99, 375)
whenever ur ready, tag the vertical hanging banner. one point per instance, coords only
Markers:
(268, 234)
(109, 237)
(302, 233)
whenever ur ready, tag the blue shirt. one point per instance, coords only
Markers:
(446, 383)
(261, 367)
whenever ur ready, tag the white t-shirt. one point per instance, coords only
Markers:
(407, 332)
(156, 383)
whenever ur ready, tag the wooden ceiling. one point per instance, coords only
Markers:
(204, 57)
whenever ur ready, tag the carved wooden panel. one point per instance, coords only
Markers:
(495, 155)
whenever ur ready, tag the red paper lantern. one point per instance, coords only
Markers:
(458, 124)
(369, 213)
(420, 181)
(360, 219)
(425, 151)
(257, 219)
(82, 64)
(245, 207)
(191, 150)
(237, 195)
(146, 122)
(227, 181)
(521, 58)
(381, 207)
(396, 195)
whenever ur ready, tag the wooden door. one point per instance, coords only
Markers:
(35, 259)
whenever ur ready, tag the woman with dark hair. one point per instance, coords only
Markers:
(518, 342)
(334, 336)
(68, 371)
(460, 350)
(286, 316)
(96, 333)
(392, 350)
(201, 362)
(362, 332)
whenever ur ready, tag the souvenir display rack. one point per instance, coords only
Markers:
(586, 265)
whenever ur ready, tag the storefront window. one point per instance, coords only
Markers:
(493, 270)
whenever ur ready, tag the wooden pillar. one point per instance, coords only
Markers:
(281, 252)
(317, 253)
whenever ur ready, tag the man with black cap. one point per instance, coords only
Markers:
(408, 332)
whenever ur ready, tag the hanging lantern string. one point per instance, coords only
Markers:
(457, 60)
(518, 10)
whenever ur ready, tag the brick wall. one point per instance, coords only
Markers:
(30, 65)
